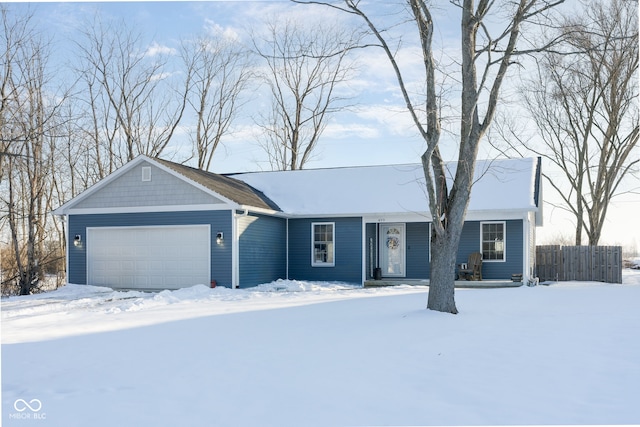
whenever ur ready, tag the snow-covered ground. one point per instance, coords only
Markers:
(305, 354)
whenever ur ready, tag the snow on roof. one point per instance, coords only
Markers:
(503, 184)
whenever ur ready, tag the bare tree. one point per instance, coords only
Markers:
(487, 52)
(28, 124)
(584, 101)
(219, 73)
(132, 107)
(306, 64)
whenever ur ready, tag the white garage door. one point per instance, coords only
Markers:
(166, 257)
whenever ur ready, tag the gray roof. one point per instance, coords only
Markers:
(233, 189)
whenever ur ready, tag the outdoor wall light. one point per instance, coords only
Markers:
(219, 238)
(77, 240)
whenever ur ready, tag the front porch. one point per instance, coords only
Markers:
(482, 284)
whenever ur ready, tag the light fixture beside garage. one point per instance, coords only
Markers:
(219, 238)
(77, 240)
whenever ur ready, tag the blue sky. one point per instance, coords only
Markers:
(376, 131)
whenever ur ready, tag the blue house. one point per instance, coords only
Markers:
(155, 224)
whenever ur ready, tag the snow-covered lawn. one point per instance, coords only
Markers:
(307, 354)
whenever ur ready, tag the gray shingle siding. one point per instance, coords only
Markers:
(164, 189)
(348, 251)
(218, 221)
(263, 249)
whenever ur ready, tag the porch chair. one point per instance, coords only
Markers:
(474, 268)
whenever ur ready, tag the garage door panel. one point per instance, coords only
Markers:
(112, 252)
(142, 282)
(149, 257)
(128, 265)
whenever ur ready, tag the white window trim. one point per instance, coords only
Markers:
(504, 241)
(313, 244)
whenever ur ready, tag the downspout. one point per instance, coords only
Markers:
(235, 249)
(287, 248)
(377, 246)
(525, 250)
(365, 250)
(66, 249)
(532, 279)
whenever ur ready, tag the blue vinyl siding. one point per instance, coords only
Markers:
(470, 242)
(263, 249)
(417, 255)
(218, 220)
(348, 251)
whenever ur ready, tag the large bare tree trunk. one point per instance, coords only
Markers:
(443, 269)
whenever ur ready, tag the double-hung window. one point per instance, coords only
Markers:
(492, 238)
(322, 244)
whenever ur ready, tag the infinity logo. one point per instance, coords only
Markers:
(21, 405)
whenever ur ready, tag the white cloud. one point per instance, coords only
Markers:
(158, 49)
(227, 33)
(393, 118)
(161, 76)
(350, 130)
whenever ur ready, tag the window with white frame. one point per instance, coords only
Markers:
(492, 238)
(322, 244)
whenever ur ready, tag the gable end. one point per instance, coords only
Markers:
(146, 185)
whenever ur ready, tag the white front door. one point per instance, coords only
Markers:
(392, 250)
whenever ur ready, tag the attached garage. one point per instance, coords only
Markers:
(149, 257)
(154, 224)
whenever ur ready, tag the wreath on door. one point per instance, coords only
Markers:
(393, 242)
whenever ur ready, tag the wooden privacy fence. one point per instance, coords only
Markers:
(584, 263)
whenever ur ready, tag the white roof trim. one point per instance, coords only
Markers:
(143, 209)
